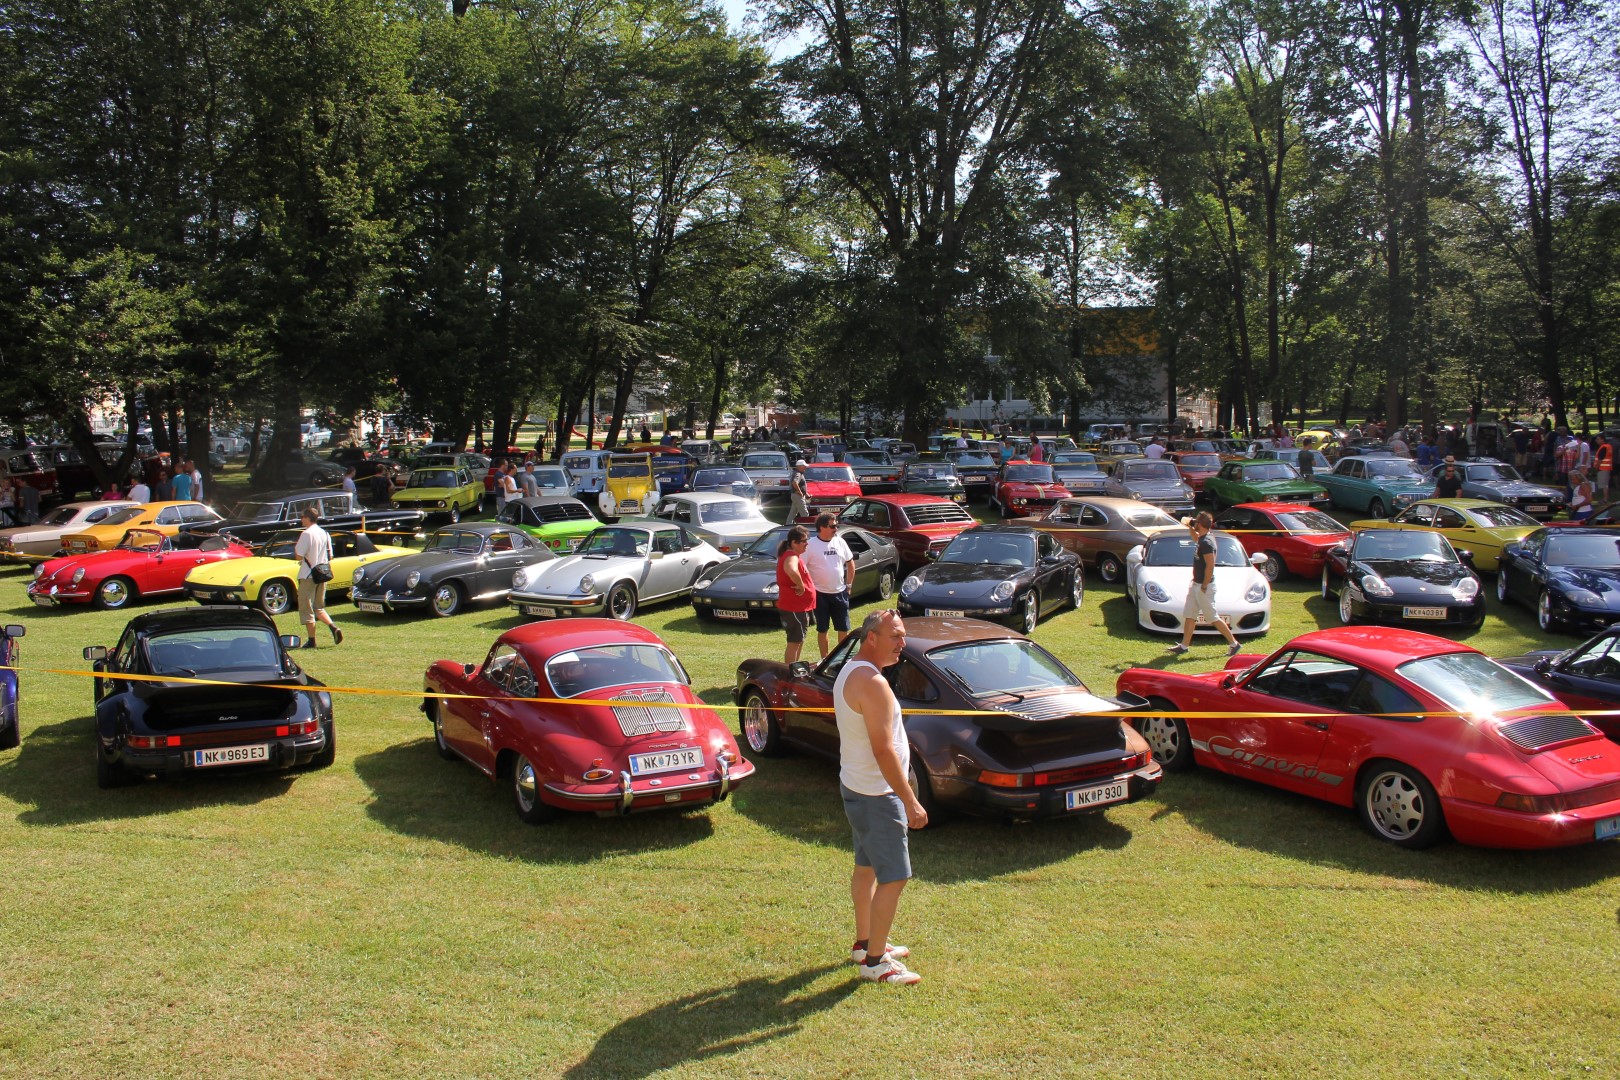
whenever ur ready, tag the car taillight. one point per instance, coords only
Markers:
(1003, 779)
(303, 727)
(596, 771)
(151, 742)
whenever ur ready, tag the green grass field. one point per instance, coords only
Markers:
(391, 917)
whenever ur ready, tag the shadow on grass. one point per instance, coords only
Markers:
(54, 776)
(417, 793)
(797, 797)
(1253, 815)
(712, 1024)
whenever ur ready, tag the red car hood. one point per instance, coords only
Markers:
(833, 487)
(1023, 489)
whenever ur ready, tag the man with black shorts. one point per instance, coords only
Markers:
(832, 568)
(874, 757)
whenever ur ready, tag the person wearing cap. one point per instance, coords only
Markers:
(1448, 485)
(798, 492)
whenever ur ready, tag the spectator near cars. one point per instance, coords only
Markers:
(832, 569)
(795, 591)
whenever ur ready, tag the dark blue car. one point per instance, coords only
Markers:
(1571, 576)
(10, 723)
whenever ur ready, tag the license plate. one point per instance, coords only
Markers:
(722, 613)
(374, 608)
(1100, 795)
(945, 613)
(1607, 828)
(230, 755)
(1536, 509)
(871, 479)
(78, 545)
(42, 601)
(1423, 612)
(543, 612)
(668, 761)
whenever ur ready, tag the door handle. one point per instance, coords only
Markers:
(485, 715)
(1317, 724)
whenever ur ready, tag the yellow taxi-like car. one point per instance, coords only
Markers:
(1478, 526)
(441, 491)
(168, 518)
(271, 580)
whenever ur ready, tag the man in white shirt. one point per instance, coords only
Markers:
(1154, 449)
(348, 482)
(832, 568)
(139, 492)
(314, 548)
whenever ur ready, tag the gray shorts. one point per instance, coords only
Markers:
(797, 624)
(311, 598)
(878, 823)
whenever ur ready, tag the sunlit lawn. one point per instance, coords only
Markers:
(391, 917)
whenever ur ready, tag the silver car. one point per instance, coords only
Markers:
(769, 469)
(616, 570)
(1150, 480)
(726, 522)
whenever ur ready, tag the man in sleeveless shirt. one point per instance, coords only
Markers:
(874, 757)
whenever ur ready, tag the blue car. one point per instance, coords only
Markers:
(1487, 478)
(1571, 576)
(1380, 486)
(10, 723)
(725, 479)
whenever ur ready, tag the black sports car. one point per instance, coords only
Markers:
(461, 564)
(173, 728)
(1570, 575)
(1586, 678)
(1402, 575)
(256, 520)
(1006, 573)
(745, 587)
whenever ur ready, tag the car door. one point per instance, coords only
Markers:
(1589, 678)
(1374, 711)
(817, 730)
(668, 564)
(1051, 573)
(1284, 749)
(866, 563)
(508, 552)
(1523, 574)
(465, 719)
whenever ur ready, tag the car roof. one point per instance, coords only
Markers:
(187, 618)
(1377, 646)
(540, 641)
(483, 528)
(924, 634)
(545, 500)
(706, 498)
(907, 499)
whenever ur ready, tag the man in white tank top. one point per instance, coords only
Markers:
(874, 757)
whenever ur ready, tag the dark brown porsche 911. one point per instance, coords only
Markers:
(1045, 746)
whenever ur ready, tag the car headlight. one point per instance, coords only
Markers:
(1155, 592)
(911, 584)
(1003, 591)
(359, 576)
(520, 579)
(440, 504)
(1373, 585)
(1580, 596)
(78, 575)
(412, 578)
(586, 582)
(1468, 588)
(39, 571)
(771, 589)
(1256, 593)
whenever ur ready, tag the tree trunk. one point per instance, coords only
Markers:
(197, 435)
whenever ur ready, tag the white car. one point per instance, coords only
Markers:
(551, 480)
(43, 539)
(616, 570)
(1159, 573)
(588, 468)
(727, 522)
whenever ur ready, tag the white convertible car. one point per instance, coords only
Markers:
(615, 571)
(1159, 573)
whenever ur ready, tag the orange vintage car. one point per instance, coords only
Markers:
(168, 518)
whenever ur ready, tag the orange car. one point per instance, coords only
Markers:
(168, 518)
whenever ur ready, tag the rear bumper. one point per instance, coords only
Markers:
(286, 753)
(629, 795)
(1039, 803)
(1491, 826)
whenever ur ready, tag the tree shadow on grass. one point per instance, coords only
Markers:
(712, 1024)
(1253, 815)
(798, 798)
(416, 793)
(54, 776)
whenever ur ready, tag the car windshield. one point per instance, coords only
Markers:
(1077, 468)
(1122, 449)
(1178, 551)
(551, 478)
(1310, 521)
(626, 542)
(765, 461)
(240, 650)
(1489, 473)
(719, 477)
(259, 511)
(1583, 551)
(867, 457)
(726, 511)
(1150, 470)
(975, 458)
(997, 549)
(63, 515)
(622, 469)
(1271, 470)
(1392, 469)
(1036, 474)
(118, 517)
(1406, 544)
(829, 474)
(930, 471)
(432, 478)
(468, 543)
(1472, 684)
(1501, 517)
(283, 545)
(1143, 519)
(141, 540)
(579, 671)
(1200, 461)
(767, 544)
(1006, 666)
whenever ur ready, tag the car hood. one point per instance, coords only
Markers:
(233, 571)
(1603, 581)
(1517, 489)
(1282, 487)
(1153, 487)
(416, 494)
(1231, 582)
(1024, 489)
(427, 563)
(748, 574)
(1418, 571)
(110, 561)
(832, 487)
(963, 581)
(563, 575)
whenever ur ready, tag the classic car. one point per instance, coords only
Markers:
(977, 470)
(26, 465)
(933, 478)
(1246, 480)
(1025, 487)
(1158, 576)
(1151, 481)
(43, 539)
(1195, 466)
(1079, 472)
(656, 747)
(828, 488)
(365, 465)
(560, 523)
(459, 565)
(1291, 538)
(1488, 479)
(306, 468)
(919, 526)
(617, 570)
(10, 714)
(769, 469)
(1308, 462)
(1117, 449)
(1421, 735)
(1102, 531)
(745, 587)
(549, 480)
(727, 523)
(1378, 486)
(168, 518)
(631, 487)
(1570, 576)
(267, 515)
(1389, 575)
(1044, 746)
(1483, 527)
(875, 471)
(1008, 573)
(475, 464)
(254, 722)
(441, 492)
(1585, 678)
(269, 579)
(145, 563)
(725, 479)
(588, 469)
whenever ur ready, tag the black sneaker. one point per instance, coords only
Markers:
(337, 636)
(310, 644)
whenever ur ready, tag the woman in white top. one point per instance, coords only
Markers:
(1580, 501)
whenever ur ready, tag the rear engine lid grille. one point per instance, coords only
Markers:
(560, 512)
(941, 514)
(639, 719)
(1535, 733)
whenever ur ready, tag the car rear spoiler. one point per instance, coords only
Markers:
(1059, 712)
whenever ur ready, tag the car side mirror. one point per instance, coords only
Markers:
(290, 641)
(16, 630)
(1544, 664)
(468, 669)
(1228, 682)
(1257, 559)
(799, 669)
(1466, 556)
(95, 652)
(655, 554)
(1341, 549)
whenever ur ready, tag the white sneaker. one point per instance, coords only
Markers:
(890, 971)
(859, 955)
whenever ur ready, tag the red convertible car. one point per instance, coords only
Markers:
(1291, 537)
(145, 563)
(1421, 735)
(658, 747)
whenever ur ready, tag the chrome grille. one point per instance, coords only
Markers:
(1536, 732)
(639, 719)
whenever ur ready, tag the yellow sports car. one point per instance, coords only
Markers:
(167, 518)
(1474, 525)
(441, 491)
(271, 580)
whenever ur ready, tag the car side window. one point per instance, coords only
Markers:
(497, 668)
(500, 542)
(1092, 518)
(857, 545)
(342, 544)
(668, 541)
(1421, 514)
(1374, 694)
(855, 513)
(879, 515)
(1233, 519)
(1046, 546)
(909, 683)
(336, 505)
(682, 514)
(1447, 518)
(1596, 659)
(169, 515)
(1310, 679)
(840, 656)
(97, 514)
(124, 655)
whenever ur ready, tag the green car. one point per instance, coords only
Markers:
(1248, 481)
(558, 522)
(932, 478)
(441, 492)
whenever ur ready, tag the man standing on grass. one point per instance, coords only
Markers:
(1201, 596)
(832, 568)
(874, 757)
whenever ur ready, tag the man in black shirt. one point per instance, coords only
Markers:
(1448, 485)
(1201, 594)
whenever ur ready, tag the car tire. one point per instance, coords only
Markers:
(1545, 617)
(1273, 568)
(1077, 588)
(885, 583)
(109, 775)
(1376, 509)
(1502, 586)
(1347, 608)
(917, 780)
(531, 809)
(446, 600)
(435, 711)
(1215, 504)
(1167, 736)
(1327, 591)
(455, 514)
(621, 602)
(328, 753)
(115, 593)
(11, 735)
(756, 722)
(277, 597)
(1110, 569)
(1029, 613)
(1398, 805)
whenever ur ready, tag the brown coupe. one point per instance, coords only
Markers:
(1102, 530)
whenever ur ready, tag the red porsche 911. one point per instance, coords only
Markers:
(1421, 735)
(657, 746)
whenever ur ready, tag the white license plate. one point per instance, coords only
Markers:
(944, 613)
(376, 609)
(722, 613)
(42, 601)
(1423, 612)
(1536, 509)
(668, 761)
(543, 612)
(1607, 828)
(871, 479)
(1100, 795)
(230, 755)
